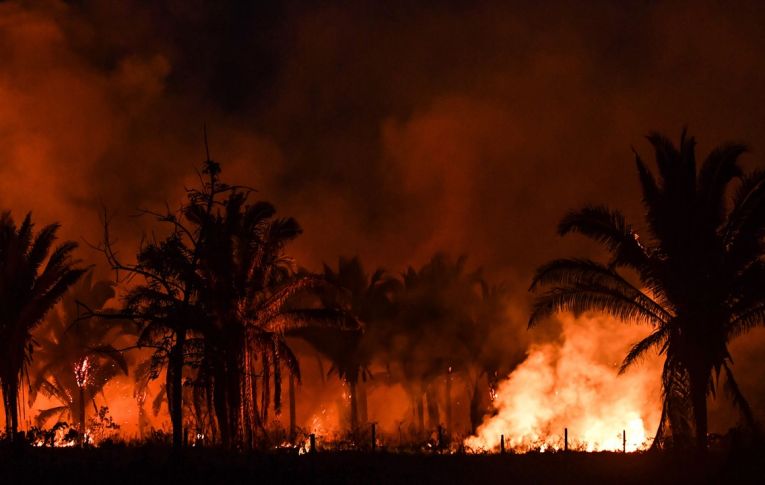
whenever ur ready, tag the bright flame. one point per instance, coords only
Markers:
(575, 385)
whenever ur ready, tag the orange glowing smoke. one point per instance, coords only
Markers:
(575, 385)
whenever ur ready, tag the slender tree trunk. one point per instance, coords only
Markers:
(236, 383)
(292, 407)
(175, 389)
(141, 421)
(221, 407)
(699, 402)
(476, 416)
(81, 416)
(10, 400)
(354, 406)
(420, 413)
(434, 418)
(448, 395)
(363, 409)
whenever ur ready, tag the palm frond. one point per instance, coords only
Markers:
(609, 228)
(44, 415)
(657, 338)
(292, 320)
(579, 299)
(590, 275)
(737, 397)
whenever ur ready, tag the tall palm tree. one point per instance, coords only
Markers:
(700, 271)
(32, 279)
(429, 336)
(76, 358)
(491, 351)
(371, 302)
(251, 295)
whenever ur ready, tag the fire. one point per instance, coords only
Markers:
(574, 385)
(321, 428)
(82, 372)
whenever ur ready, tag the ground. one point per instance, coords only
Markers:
(144, 465)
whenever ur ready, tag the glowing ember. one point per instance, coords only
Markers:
(82, 372)
(575, 385)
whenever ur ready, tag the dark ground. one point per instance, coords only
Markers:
(144, 465)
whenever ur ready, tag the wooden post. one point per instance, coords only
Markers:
(624, 440)
(565, 439)
(440, 444)
(374, 437)
(312, 439)
(502, 444)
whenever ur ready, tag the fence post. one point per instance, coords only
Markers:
(312, 440)
(502, 444)
(565, 439)
(624, 440)
(374, 437)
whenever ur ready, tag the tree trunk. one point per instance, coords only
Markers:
(434, 418)
(420, 413)
(699, 402)
(354, 406)
(10, 401)
(175, 389)
(476, 416)
(363, 409)
(220, 401)
(292, 407)
(81, 416)
(448, 396)
(236, 392)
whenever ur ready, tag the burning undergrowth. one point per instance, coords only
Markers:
(574, 384)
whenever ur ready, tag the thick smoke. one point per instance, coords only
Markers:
(389, 131)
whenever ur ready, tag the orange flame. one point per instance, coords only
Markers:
(575, 385)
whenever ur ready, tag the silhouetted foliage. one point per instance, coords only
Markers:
(33, 277)
(76, 357)
(700, 266)
(372, 301)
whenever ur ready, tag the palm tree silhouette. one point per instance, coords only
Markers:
(251, 294)
(699, 266)
(76, 358)
(371, 301)
(429, 336)
(165, 304)
(242, 261)
(491, 350)
(33, 279)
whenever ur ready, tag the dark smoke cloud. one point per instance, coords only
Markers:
(388, 130)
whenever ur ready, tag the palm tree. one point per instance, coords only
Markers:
(699, 266)
(488, 345)
(76, 358)
(32, 279)
(428, 339)
(165, 303)
(351, 354)
(250, 293)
